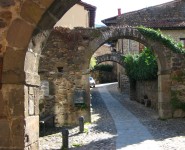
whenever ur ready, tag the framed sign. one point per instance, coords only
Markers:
(79, 96)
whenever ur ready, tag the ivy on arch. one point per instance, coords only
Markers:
(157, 35)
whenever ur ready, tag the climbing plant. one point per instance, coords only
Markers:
(166, 40)
(141, 66)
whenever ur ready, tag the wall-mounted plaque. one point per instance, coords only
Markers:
(79, 96)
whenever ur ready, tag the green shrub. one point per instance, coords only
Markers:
(106, 67)
(141, 66)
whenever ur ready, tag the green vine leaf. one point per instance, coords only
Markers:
(166, 40)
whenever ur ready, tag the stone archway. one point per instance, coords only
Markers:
(21, 22)
(169, 64)
(75, 48)
(162, 53)
(115, 57)
(118, 58)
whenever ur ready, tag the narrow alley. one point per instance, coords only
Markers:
(118, 123)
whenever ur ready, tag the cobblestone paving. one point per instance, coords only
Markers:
(169, 134)
(101, 133)
(131, 134)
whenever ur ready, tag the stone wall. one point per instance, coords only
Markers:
(127, 46)
(124, 84)
(149, 90)
(66, 73)
(104, 49)
(177, 89)
(19, 95)
(46, 102)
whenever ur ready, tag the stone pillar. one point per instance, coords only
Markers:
(164, 96)
(18, 122)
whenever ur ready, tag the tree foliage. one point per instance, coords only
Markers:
(104, 67)
(141, 66)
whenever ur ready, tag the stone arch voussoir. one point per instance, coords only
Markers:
(115, 57)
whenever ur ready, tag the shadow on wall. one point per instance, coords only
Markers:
(103, 76)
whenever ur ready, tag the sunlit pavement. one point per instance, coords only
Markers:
(131, 134)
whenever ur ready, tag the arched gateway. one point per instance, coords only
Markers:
(21, 21)
(69, 50)
(72, 51)
(115, 57)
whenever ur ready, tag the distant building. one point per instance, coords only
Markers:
(168, 17)
(80, 15)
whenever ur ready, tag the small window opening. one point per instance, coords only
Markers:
(60, 69)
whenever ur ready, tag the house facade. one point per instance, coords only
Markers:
(80, 15)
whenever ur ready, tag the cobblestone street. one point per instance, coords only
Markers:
(104, 131)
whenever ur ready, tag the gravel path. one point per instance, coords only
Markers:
(101, 133)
